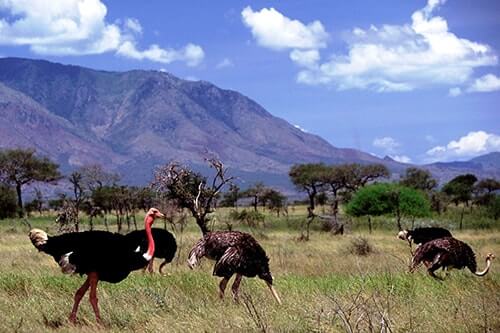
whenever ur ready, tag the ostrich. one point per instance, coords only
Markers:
(423, 235)
(447, 253)
(101, 255)
(165, 245)
(235, 253)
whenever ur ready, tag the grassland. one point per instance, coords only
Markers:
(324, 287)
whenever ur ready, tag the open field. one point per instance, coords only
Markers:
(324, 288)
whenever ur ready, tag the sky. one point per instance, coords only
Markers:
(415, 80)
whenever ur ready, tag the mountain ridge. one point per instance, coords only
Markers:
(135, 120)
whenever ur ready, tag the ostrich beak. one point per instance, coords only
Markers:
(273, 291)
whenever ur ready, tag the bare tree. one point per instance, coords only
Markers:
(190, 189)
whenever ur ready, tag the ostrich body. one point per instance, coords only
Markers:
(165, 245)
(448, 253)
(101, 255)
(423, 235)
(235, 253)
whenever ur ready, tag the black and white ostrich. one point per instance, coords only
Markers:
(235, 253)
(101, 255)
(423, 235)
(448, 253)
(165, 245)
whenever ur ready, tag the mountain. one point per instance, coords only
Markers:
(133, 121)
(482, 166)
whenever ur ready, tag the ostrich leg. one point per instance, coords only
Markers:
(222, 287)
(435, 265)
(236, 287)
(94, 279)
(78, 297)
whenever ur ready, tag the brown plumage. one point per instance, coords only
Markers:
(235, 253)
(446, 253)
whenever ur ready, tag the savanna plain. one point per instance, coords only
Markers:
(357, 282)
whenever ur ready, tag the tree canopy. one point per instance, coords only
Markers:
(385, 198)
(20, 167)
(418, 179)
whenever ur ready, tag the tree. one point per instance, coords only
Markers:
(419, 179)
(230, 198)
(460, 190)
(21, 167)
(354, 176)
(7, 201)
(93, 176)
(275, 201)
(381, 199)
(190, 189)
(308, 178)
(485, 190)
(256, 192)
(75, 178)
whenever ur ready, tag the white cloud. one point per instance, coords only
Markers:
(307, 58)
(383, 58)
(78, 27)
(191, 54)
(486, 83)
(470, 145)
(401, 158)
(274, 30)
(387, 143)
(225, 63)
(454, 92)
(133, 25)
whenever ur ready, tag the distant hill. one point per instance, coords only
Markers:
(483, 166)
(132, 121)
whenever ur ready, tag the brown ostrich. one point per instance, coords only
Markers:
(448, 253)
(235, 253)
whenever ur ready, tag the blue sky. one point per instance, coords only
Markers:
(416, 80)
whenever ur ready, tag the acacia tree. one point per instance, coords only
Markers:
(21, 167)
(309, 178)
(256, 192)
(381, 199)
(190, 189)
(7, 201)
(460, 190)
(419, 179)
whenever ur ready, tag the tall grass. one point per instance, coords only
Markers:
(324, 286)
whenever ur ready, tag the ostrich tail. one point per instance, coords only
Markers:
(489, 258)
(197, 252)
(39, 238)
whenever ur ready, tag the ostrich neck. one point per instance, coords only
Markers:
(488, 264)
(148, 221)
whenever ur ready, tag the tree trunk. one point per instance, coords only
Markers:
(135, 221)
(370, 224)
(91, 223)
(462, 217)
(200, 221)
(20, 210)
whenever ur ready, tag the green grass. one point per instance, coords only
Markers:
(323, 286)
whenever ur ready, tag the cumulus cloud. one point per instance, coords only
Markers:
(273, 30)
(386, 58)
(78, 27)
(191, 54)
(470, 145)
(401, 158)
(388, 144)
(486, 83)
(133, 25)
(225, 63)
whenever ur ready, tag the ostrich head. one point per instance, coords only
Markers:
(38, 237)
(490, 256)
(154, 212)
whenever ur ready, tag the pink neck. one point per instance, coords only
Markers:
(148, 221)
